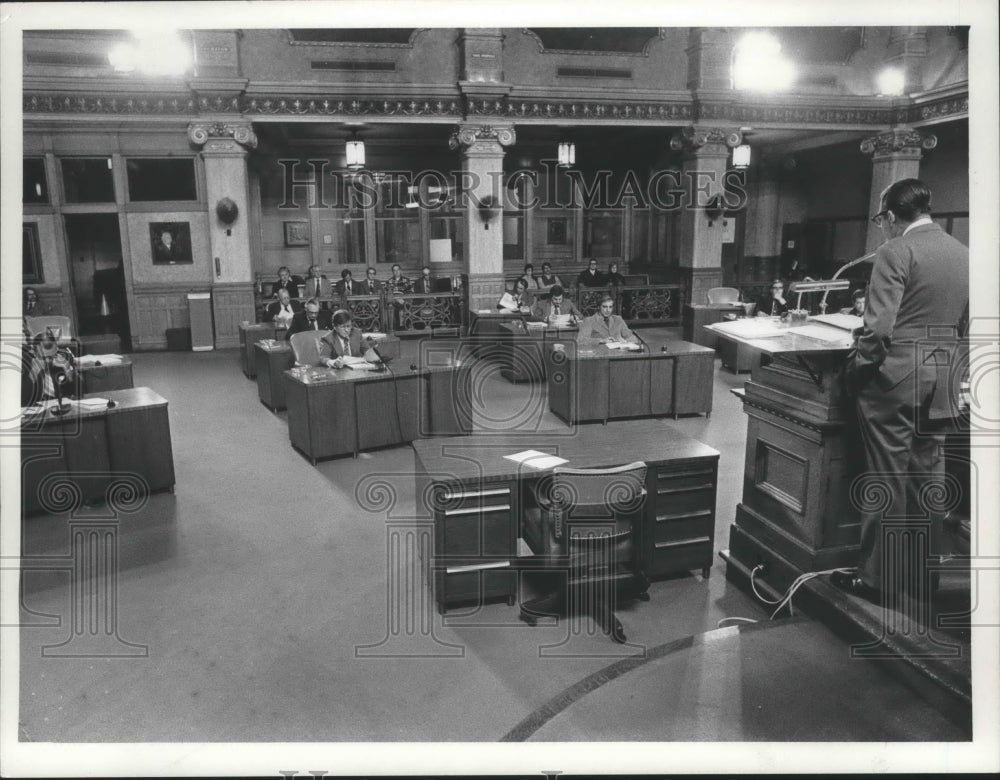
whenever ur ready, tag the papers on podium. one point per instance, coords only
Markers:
(104, 360)
(622, 345)
(536, 459)
(846, 322)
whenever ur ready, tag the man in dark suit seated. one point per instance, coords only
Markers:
(346, 285)
(286, 282)
(345, 342)
(556, 308)
(311, 318)
(371, 285)
(282, 310)
(425, 284)
(591, 277)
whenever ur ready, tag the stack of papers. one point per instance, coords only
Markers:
(104, 360)
(845, 321)
(622, 345)
(357, 363)
(561, 321)
(535, 325)
(374, 336)
(750, 328)
(825, 333)
(92, 403)
(536, 459)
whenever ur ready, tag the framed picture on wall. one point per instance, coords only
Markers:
(297, 233)
(556, 230)
(31, 256)
(170, 243)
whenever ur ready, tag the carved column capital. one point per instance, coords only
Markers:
(222, 135)
(705, 140)
(899, 142)
(482, 138)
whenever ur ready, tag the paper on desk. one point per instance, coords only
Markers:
(826, 333)
(622, 345)
(837, 320)
(374, 336)
(92, 403)
(749, 328)
(86, 360)
(356, 362)
(536, 459)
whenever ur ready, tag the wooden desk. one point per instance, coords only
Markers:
(802, 454)
(477, 497)
(339, 411)
(698, 315)
(272, 360)
(110, 376)
(250, 334)
(91, 446)
(596, 383)
(523, 349)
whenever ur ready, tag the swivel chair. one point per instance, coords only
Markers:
(723, 295)
(586, 519)
(308, 347)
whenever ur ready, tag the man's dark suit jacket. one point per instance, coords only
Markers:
(587, 279)
(424, 285)
(341, 287)
(310, 285)
(324, 321)
(364, 288)
(275, 306)
(919, 281)
(292, 285)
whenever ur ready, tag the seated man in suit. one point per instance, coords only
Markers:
(425, 284)
(346, 284)
(605, 326)
(311, 318)
(316, 284)
(42, 377)
(591, 277)
(345, 342)
(858, 304)
(556, 308)
(282, 310)
(286, 282)
(398, 284)
(371, 285)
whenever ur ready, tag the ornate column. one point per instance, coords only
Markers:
(895, 155)
(762, 239)
(482, 189)
(225, 144)
(705, 161)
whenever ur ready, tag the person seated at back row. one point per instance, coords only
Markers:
(346, 284)
(425, 284)
(345, 342)
(857, 307)
(773, 303)
(605, 326)
(556, 306)
(312, 317)
(590, 277)
(613, 277)
(286, 282)
(282, 310)
(546, 279)
(518, 300)
(316, 284)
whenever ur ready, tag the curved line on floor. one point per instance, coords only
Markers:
(561, 701)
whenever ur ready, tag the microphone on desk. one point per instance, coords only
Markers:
(373, 348)
(642, 344)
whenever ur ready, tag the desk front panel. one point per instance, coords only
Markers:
(390, 412)
(271, 365)
(113, 376)
(250, 334)
(321, 417)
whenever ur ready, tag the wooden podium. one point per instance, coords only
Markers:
(801, 452)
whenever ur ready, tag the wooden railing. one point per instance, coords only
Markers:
(651, 304)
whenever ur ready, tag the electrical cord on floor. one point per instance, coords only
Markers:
(784, 600)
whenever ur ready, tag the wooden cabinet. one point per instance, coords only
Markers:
(680, 528)
(475, 538)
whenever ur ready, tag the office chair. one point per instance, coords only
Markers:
(723, 295)
(38, 325)
(308, 347)
(586, 519)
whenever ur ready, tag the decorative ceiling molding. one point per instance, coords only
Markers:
(242, 133)
(900, 140)
(113, 102)
(470, 135)
(292, 41)
(691, 138)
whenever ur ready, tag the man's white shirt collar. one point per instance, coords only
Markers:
(924, 220)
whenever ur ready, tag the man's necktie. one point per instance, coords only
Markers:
(316, 324)
(607, 323)
(284, 309)
(348, 288)
(346, 346)
(555, 309)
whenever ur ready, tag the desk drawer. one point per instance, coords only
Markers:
(670, 481)
(680, 555)
(670, 526)
(471, 582)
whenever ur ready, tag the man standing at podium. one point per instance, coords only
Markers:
(915, 317)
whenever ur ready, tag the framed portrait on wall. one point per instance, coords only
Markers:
(31, 256)
(297, 233)
(556, 233)
(170, 243)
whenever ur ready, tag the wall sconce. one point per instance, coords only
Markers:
(489, 209)
(741, 156)
(567, 154)
(227, 211)
(355, 155)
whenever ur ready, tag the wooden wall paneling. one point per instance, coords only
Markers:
(158, 308)
(232, 303)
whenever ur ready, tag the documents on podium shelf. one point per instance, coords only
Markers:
(536, 459)
(844, 321)
(623, 345)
